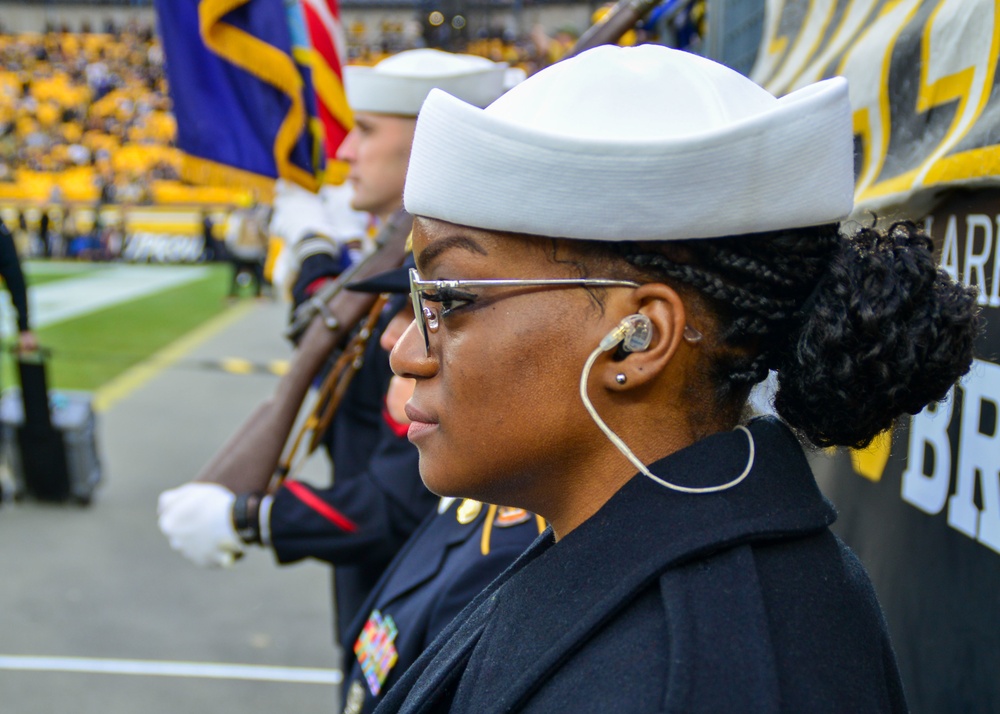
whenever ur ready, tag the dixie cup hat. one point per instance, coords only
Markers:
(635, 143)
(399, 84)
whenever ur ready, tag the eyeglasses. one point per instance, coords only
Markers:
(450, 295)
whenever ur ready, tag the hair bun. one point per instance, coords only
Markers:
(884, 333)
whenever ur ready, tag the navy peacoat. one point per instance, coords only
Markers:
(735, 601)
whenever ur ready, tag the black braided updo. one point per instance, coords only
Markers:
(859, 329)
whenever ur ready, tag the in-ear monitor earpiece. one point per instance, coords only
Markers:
(634, 332)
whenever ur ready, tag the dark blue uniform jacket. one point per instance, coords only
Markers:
(377, 499)
(737, 601)
(440, 570)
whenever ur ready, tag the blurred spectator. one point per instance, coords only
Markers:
(44, 234)
(246, 247)
(212, 248)
(10, 270)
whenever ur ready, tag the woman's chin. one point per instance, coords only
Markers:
(441, 483)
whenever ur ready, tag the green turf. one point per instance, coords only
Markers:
(37, 272)
(90, 350)
(47, 278)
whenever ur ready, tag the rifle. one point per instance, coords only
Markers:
(247, 461)
(616, 22)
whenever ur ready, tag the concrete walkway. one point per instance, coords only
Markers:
(98, 615)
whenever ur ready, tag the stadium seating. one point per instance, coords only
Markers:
(85, 118)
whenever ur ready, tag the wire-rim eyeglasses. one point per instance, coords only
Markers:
(428, 319)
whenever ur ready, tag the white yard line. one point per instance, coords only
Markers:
(157, 668)
(61, 300)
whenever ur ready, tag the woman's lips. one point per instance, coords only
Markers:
(420, 422)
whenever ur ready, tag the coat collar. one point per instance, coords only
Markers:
(779, 497)
(646, 528)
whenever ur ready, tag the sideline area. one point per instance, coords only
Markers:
(134, 378)
(101, 616)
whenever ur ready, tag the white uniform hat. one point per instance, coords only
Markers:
(636, 143)
(513, 76)
(399, 84)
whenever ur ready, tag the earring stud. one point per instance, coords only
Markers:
(621, 378)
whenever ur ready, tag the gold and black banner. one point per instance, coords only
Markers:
(922, 79)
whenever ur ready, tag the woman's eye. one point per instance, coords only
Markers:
(450, 299)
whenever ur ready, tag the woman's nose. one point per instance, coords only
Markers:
(394, 330)
(409, 358)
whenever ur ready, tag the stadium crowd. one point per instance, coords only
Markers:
(86, 113)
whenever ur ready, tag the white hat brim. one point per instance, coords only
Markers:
(787, 167)
(371, 91)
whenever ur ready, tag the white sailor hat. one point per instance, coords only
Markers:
(399, 84)
(636, 143)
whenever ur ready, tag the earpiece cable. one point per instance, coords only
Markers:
(627, 452)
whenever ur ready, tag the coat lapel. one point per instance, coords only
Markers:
(440, 666)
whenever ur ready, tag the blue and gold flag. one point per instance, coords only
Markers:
(238, 96)
(302, 54)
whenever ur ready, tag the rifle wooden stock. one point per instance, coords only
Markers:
(247, 461)
(619, 19)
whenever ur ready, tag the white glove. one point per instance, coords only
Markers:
(197, 519)
(297, 213)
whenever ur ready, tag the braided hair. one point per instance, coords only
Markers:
(860, 329)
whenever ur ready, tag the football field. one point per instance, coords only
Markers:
(98, 320)
(68, 290)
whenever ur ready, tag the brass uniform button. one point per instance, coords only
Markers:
(468, 510)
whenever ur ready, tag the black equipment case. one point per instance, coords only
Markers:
(49, 440)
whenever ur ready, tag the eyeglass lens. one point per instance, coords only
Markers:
(418, 310)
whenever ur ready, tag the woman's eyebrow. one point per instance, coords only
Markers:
(435, 249)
